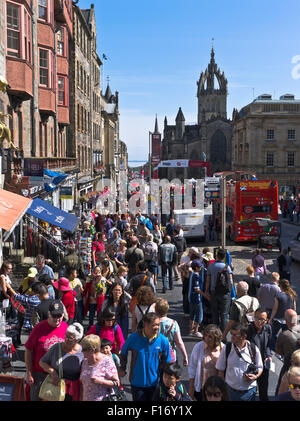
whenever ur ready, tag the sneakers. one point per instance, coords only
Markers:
(197, 334)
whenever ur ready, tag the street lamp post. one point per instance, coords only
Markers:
(223, 212)
(150, 133)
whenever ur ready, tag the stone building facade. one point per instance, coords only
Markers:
(37, 36)
(266, 139)
(211, 138)
(111, 135)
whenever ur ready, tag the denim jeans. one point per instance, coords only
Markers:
(220, 305)
(142, 394)
(92, 312)
(241, 395)
(196, 312)
(167, 268)
(80, 311)
(276, 326)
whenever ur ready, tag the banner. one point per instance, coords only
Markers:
(52, 179)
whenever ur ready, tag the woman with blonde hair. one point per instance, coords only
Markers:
(284, 300)
(252, 281)
(295, 362)
(170, 328)
(145, 303)
(98, 371)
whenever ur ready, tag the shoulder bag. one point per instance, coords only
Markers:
(51, 392)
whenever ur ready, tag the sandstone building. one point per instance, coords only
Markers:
(211, 138)
(266, 139)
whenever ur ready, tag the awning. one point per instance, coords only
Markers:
(12, 208)
(53, 215)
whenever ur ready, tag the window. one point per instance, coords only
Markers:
(60, 42)
(13, 30)
(270, 159)
(44, 67)
(61, 91)
(270, 134)
(291, 159)
(291, 134)
(43, 9)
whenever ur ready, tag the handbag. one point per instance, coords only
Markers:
(116, 394)
(51, 392)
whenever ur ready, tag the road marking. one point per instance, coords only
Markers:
(242, 261)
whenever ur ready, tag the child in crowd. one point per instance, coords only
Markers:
(76, 285)
(106, 347)
(107, 328)
(94, 294)
(170, 387)
(194, 297)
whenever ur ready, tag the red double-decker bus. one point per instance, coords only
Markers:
(246, 201)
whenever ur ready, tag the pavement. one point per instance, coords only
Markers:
(174, 298)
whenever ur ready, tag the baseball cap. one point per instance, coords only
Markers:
(56, 308)
(196, 264)
(32, 272)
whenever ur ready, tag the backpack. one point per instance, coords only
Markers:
(246, 315)
(148, 224)
(149, 251)
(223, 283)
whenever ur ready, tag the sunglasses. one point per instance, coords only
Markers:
(214, 394)
(294, 386)
(57, 316)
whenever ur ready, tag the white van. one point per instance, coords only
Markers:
(192, 222)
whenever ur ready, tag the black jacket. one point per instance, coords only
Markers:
(180, 244)
(262, 341)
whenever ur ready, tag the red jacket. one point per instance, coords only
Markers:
(86, 293)
(68, 301)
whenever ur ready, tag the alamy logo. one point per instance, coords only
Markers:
(160, 196)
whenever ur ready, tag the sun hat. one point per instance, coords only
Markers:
(208, 256)
(32, 272)
(62, 284)
(195, 251)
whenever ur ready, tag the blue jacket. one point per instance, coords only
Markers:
(145, 359)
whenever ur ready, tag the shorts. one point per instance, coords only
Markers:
(153, 267)
(196, 312)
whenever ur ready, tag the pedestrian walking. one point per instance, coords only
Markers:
(167, 259)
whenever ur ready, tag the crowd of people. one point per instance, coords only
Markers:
(92, 328)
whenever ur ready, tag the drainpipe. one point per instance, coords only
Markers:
(33, 102)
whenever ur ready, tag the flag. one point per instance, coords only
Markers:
(52, 179)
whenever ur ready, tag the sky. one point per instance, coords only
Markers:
(157, 49)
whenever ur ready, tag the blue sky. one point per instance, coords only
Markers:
(157, 49)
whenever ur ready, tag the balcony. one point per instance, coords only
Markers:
(19, 77)
(46, 101)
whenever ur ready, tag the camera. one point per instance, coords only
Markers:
(251, 369)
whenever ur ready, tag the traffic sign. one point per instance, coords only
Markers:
(208, 194)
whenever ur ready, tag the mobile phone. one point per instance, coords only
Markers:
(268, 364)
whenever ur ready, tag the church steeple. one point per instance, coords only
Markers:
(212, 91)
(156, 131)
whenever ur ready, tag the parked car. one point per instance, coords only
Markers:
(294, 248)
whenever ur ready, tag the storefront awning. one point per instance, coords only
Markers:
(12, 208)
(53, 215)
